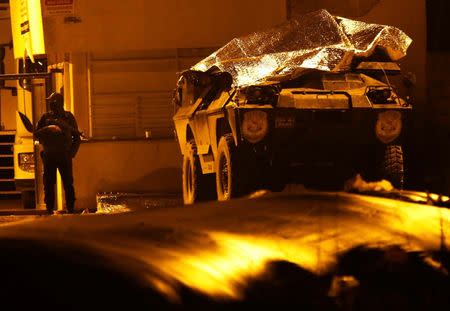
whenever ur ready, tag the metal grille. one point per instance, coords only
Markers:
(131, 92)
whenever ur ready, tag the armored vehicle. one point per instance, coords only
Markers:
(263, 112)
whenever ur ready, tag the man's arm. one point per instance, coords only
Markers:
(68, 123)
(76, 134)
(42, 123)
(74, 124)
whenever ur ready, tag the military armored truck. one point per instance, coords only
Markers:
(240, 131)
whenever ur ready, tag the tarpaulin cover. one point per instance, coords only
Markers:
(317, 40)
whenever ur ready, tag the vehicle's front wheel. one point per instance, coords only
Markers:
(393, 166)
(228, 169)
(196, 186)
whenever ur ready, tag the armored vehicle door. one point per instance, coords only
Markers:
(201, 129)
(188, 97)
(208, 111)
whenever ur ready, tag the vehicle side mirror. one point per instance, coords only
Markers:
(225, 80)
(176, 97)
(26, 122)
(203, 80)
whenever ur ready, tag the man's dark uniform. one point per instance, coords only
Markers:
(57, 131)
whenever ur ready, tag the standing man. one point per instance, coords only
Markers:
(57, 131)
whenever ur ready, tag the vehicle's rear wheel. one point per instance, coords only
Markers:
(196, 186)
(228, 169)
(392, 166)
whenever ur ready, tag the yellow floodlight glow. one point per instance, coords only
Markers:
(220, 271)
(27, 30)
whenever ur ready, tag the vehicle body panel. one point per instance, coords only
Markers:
(304, 123)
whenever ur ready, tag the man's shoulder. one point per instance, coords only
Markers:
(46, 116)
(69, 115)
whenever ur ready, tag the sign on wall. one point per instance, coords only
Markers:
(26, 25)
(58, 7)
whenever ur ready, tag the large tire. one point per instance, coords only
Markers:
(196, 186)
(228, 169)
(393, 166)
(28, 199)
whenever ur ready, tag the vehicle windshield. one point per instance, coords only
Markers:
(328, 81)
(397, 81)
(342, 81)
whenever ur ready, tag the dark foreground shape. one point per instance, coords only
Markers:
(286, 285)
(61, 275)
(393, 279)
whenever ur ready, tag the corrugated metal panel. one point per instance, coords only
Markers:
(131, 92)
(133, 114)
(154, 114)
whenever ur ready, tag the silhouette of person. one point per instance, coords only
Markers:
(57, 131)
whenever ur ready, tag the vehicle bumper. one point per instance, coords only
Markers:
(308, 136)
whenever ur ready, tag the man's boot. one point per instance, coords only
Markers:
(50, 208)
(70, 208)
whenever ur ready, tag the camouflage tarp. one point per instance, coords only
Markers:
(316, 40)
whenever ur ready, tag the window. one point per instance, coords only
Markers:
(342, 81)
(131, 93)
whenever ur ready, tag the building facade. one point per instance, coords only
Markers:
(127, 55)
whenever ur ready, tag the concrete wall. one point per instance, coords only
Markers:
(142, 24)
(135, 166)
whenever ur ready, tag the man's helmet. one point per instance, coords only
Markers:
(56, 101)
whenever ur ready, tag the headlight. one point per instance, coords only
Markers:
(26, 161)
(389, 126)
(380, 95)
(262, 95)
(255, 126)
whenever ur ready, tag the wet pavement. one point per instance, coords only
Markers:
(107, 202)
